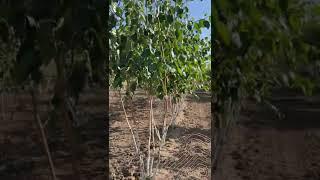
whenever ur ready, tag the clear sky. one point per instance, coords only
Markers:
(197, 9)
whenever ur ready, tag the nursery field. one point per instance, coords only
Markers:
(263, 147)
(186, 154)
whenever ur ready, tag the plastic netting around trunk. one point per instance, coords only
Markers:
(186, 153)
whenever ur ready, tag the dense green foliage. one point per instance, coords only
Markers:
(260, 45)
(66, 37)
(157, 47)
(34, 33)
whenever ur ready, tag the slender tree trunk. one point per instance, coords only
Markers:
(42, 132)
(136, 145)
(61, 93)
(216, 132)
(149, 141)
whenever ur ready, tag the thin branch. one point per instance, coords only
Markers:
(2, 106)
(132, 133)
(149, 141)
(131, 130)
(43, 135)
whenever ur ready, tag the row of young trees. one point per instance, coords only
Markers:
(155, 46)
(259, 46)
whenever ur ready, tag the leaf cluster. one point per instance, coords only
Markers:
(41, 32)
(156, 46)
(260, 45)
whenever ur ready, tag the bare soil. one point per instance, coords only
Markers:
(22, 155)
(186, 154)
(262, 147)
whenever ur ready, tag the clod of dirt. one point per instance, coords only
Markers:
(136, 174)
(308, 176)
(314, 164)
(245, 177)
(239, 166)
(235, 155)
(130, 178)
(16, 166)
(245, 149)
(127, 172)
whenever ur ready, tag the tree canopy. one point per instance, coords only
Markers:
(157, 47)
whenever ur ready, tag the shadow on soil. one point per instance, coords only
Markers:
(298, 113)
(177, 132)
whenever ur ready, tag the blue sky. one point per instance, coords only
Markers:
(197, 10)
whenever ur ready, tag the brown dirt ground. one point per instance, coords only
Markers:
(187, 151)
(260, 147)
(21, 152)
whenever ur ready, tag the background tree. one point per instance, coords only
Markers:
(258, 46)
(71, 36)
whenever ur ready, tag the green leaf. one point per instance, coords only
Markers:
(206, 24)
(150, 18)
(4, 30)
(118, 11)
(294, 21)
(32, 22)
(189, 27)
(46, 42)
(311, 33)
(179, 35)
(284, 5)
(170, 18)
(179, 12)
(223, 33)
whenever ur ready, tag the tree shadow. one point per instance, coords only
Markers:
(176, 132)
(200, 98)
(298, 113)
